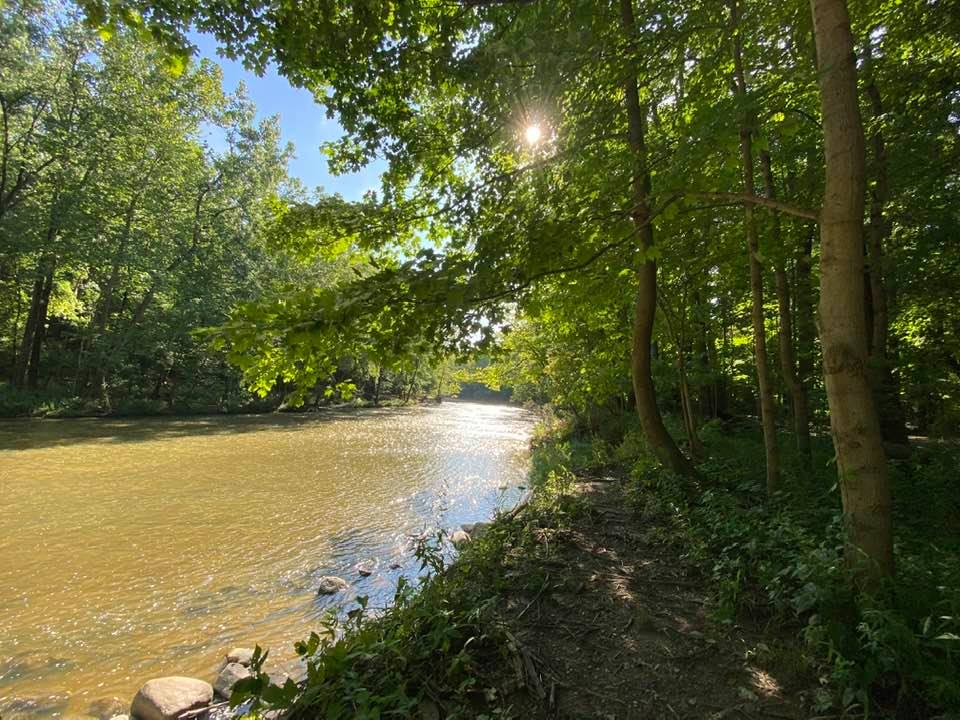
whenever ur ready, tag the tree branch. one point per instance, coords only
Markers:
(769, 203)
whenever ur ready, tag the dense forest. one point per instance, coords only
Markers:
(672, 222)
(136, 201)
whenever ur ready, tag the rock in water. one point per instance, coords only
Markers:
(459, 538)
(467, 528)
(229, 677)
(107, 708)
(366, 568)
(331, 584)
(242, 656)
(170, 697)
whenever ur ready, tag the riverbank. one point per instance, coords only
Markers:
(21, 404)
(582, 603)
(619, 591)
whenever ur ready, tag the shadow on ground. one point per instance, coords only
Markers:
(619, 628)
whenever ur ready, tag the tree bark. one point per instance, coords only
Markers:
(645, 308)
(788, 362)
(768, 409)
(861, 462)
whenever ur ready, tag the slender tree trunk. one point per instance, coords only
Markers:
(689, 415)
(886, 390)
(19, 377)
(26, 366)
(788, 363)
(376, 389)
(40, 329)
(645, 308)
(806, 329)
(861, 462)
(764, 381)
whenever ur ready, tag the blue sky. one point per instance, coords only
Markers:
(302, 121)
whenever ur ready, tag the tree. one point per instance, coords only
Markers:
(861, 462)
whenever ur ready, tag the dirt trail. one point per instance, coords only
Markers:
(618, 628)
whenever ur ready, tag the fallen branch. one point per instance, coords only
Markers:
(535, 597)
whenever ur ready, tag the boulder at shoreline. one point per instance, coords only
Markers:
(170, 697)
(228, 677)
(243, 656)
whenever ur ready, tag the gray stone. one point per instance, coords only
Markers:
(395, 566)
(331, 584)
(229, 677)
(107, 708)
(366, 568)
(479, 530)
(242, 656)
(279, 678)
(459, 538)
(170, 697)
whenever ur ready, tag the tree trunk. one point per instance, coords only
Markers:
(689, 415)
(645, 308)
(40, 328)
(764, 383)
(886, 390)
(788, 363)
(376, 389)
(26, 366)
(805, 329)
(861, 461)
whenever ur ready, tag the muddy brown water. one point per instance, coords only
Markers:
(132, 549)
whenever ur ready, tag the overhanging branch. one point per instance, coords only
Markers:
(766, 202)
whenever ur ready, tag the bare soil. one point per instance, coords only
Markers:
(619, 627)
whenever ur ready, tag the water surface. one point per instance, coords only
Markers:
(131, 549)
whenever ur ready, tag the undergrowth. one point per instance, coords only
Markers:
(894, 652)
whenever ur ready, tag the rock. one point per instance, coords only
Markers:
(479, 529)
(459, 538)
(170, 697)
(331, 584)
(107, 708)
(120, 717)
(366, 568)
(19, 708)
(229, 677)
(243, 656)
(467, 528)
(279, 678)
(395, 566)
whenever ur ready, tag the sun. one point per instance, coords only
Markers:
(532, 134)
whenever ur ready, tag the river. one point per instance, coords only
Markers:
(132, 549)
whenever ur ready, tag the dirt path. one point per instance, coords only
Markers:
(618, 627)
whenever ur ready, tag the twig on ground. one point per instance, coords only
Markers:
(535, 597)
